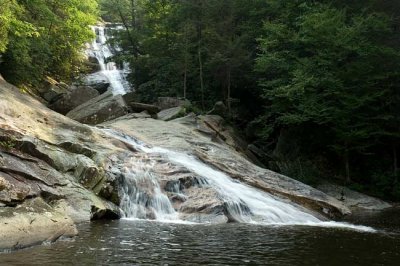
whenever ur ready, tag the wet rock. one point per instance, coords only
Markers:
(79, 171)
(105, 213)
(189, 120)
(93, 64)
(203, 205)
(97, 81)
(102, 108)
(73, 99)
(34, 222)
(186, 138)
(220, 130)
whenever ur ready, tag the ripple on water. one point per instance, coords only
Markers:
(141, 243)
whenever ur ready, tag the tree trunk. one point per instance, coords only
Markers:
(199, 29)
(228, 96)
(395, 169)
(185, 81)
(186, 65)
(201, 79)
(347, 164)
(135, 50)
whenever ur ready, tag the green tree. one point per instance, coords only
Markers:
(330, 69)
(45, 38)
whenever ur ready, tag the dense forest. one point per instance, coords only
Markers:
(313, 84)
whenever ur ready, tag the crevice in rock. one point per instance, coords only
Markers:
(103, 214)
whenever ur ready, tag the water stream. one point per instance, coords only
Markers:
(101, 49)
(244, 203)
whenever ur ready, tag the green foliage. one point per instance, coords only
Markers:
(8, 144)
(44, 37)
(332, 71)
(302, 170)
(197, 50)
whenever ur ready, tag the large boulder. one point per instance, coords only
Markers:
(93, 64)
(219, 109)
(171, 102)
(97, 81)
(99, 109)
(353, 199)
(140, 107)
(54, 172)
(34, 222)
(52, 90)
(171, 113)
(74, 98)
(131, 97)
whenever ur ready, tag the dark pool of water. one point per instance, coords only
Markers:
(150, 243)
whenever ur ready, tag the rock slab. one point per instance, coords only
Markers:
(100, 109)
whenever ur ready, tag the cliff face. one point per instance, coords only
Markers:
(50, 172)
(56, 172)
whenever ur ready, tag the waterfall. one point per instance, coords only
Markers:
(142, 192)
(101, 50)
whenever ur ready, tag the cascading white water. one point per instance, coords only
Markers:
(242, 202)
(142, 196)
(102, 51)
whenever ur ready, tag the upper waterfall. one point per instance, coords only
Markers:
(101, 49)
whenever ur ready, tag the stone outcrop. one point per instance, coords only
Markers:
(171, 113)
(219, 109)
(99, 109)
(70, 100)
(52, 90)
(52, 172)
(183, 135)
(93, 64)
(97, 81)
(353, 199)
(171, 102)
(34, 222)
(136, 107)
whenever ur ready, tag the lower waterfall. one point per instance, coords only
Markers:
(142, 192)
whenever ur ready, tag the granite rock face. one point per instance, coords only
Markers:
(99, 109)
(182, 135)
(52, 172)
(72, 99)
(353, 199)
